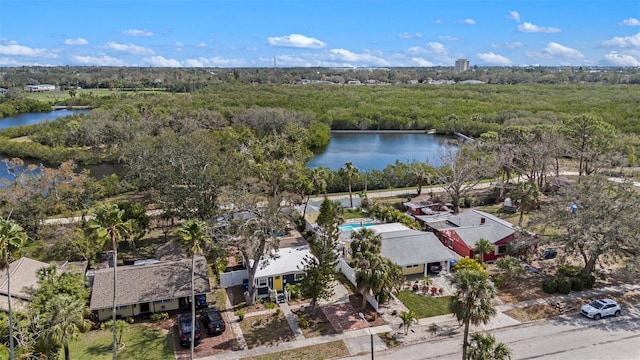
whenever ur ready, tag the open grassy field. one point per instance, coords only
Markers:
(61, 96)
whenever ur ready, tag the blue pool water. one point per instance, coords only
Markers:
(349, 227)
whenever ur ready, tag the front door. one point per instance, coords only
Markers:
(277, 283)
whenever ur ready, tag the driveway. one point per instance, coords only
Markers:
(209, 345)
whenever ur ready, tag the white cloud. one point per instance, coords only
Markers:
(13, 49)
(514, 15)
(467, 22)
(438, 21)
(407, 35)
(356, 59)
(557, 50)
(134, 32)
(529, 27)
(630, 22)
(195, 62)
(615, 59)
(431, 48)
(162, 62)
(128, 48)
(8, 42)
(179, 44)
(251, 48)
(447, 38)
(296, 41)
(78, 41)
(627, 41)
(513, 45)
(492, 58)
(98, 60)
(222, 62)
(422, 62)
(201, 45)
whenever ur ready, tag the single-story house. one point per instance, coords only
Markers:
(413, 250)
(281, 267)
(151, 286)
(460, 232)
(313, 209)
(24, 280)
(427, 207)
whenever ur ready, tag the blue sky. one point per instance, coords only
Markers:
(324, 33)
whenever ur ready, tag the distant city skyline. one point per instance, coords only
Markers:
(322, 33)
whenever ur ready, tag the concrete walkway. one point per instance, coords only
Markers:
(292, 319)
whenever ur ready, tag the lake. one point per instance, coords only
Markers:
(366, 150)
(369, 151)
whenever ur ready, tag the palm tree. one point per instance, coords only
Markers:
(408, 318)
(471, 303)
(108, 226)
(193, 239)
(510, 266)
(12, 238)
(351, 171)
(483, 247)
(370, 276)
(485, 347)
(65, 318)
(365, 242)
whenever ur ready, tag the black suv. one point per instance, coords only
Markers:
(213, 321)
(184, 331)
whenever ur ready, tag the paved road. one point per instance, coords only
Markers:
(570, 337)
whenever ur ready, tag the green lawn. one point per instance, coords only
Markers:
(140, 342)
(425, 306)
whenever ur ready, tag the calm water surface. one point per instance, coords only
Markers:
(375, 151)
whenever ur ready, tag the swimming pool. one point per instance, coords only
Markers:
(349, 227)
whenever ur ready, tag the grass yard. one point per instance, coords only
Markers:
(265, 330)
(425, 306)
(140, 342)
(353, 214)
(331, 350)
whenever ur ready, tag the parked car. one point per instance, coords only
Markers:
(435, 268)
(213, 321)
(184, 331)
(600, 308)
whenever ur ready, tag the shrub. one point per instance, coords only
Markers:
(564, 285)
(569, 270)
(303, 322)
(577, 284)
(240, 313)
(295, 291)
(269, 305)
(130, 320)
(549, 286)
(588, 281)
(499, 280)
(159, 316)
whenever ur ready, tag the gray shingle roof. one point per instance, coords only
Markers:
(471, 229)
(146, 283)
(404, 246)
(24, 276)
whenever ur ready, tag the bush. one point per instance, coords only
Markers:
(569, 270)
(564, 285)
(159, 316)
(499, 280)
(577, 284)
(549, 286)
(268, 304)
(295, 291)
(303, 322)
(588, 281)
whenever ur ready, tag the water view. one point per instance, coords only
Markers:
(377, 150)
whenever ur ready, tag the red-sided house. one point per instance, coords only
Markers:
(461, 232)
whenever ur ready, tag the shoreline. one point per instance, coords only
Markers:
(426, 132)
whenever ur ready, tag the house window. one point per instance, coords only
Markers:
(162, 301)
(412, 266)
(501, 250)
(451, 243)
(262, 282)
(123, 307)
(298, 277)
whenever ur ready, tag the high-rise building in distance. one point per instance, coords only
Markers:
(461, 65)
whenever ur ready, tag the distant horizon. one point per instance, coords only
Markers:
(319, 34)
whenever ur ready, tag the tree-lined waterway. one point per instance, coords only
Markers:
(366, 150)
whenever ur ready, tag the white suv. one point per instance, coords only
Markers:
(600, 308)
